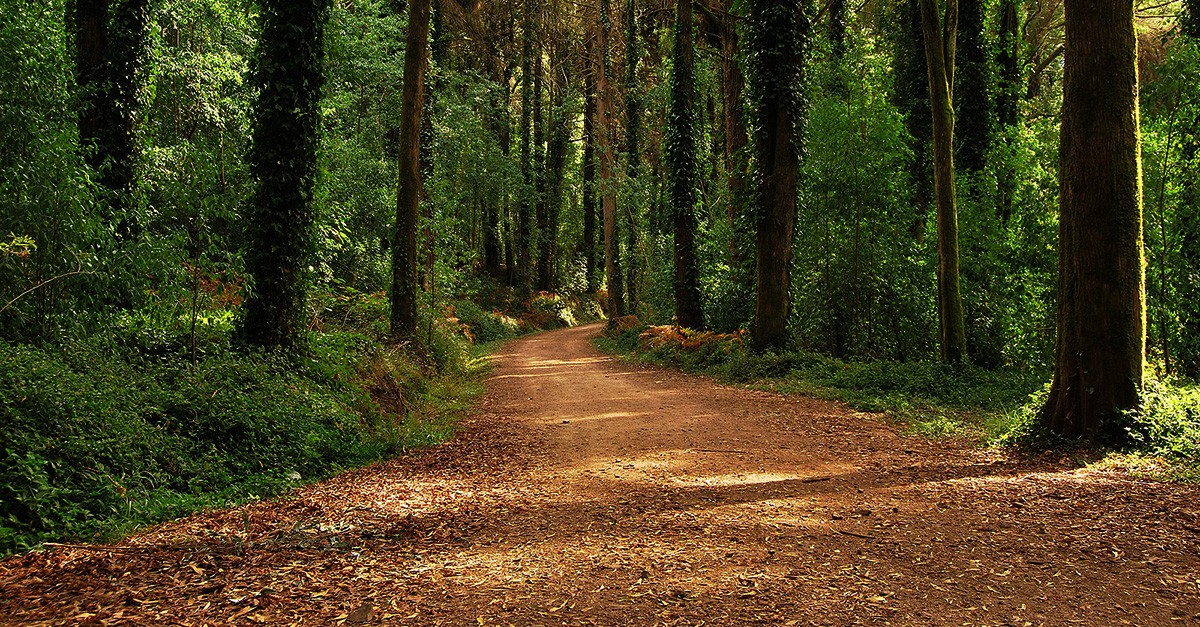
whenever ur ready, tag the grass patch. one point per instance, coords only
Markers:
(934, 399)
(931, 399)
(105, 434)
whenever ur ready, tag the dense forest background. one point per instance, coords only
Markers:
(171, 166)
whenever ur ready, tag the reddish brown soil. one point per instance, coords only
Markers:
(587, 492)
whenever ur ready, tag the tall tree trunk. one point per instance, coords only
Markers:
(912, 98)
(972, 90)
(283, 160)
(111, 47)
(539, 174)
(681, 155)
(525, 217)
(589, 178)
(779, 34)
(632, 129)
(608, 198)
(555, 173)
(1099, 354)
(939, 55)
(405, 264)
(736, 136)
(1007, 99)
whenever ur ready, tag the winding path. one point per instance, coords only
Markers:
(589, 492)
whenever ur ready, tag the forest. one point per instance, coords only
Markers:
(246, 245)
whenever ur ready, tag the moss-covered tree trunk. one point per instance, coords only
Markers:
(608, 192)
(681, 157)
(1007, 98)
(525, 214)
(283, 161)
(939, 35)
(972, 89)
(1099, 353)
(779, 34)
(911, 96)
(588, 199)
(111, 47)
(633, 125)
(406, 288)
(734, 132)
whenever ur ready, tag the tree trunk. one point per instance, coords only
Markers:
(681, 155)
(1099, 354)
(405, 264)
(283, 159)
(608, 198)
(1007, 99)
(939, 56)
(589, 178)
(736, 136)
(972, 90)
(539, 175)
(555, 172)
(779, 36)
(111, 47)
(912, 98)
(525, 217)
(633, 148)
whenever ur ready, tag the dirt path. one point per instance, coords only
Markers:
(587, 492)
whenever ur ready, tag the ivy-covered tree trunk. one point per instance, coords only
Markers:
(1189, 224)
(1099, 353)
(1007, 98)
(283, 161)
(972, 90)
(939, 55)
(111, 47)
(681, 157)
(525, 216)
(735, 134)
(539, 157)
(633, 147)
(778, 36)
(912, 98)
(608, 194)
(555, 172)
(406, 288)
(589, 178)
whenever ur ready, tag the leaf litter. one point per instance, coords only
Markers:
(588, 492)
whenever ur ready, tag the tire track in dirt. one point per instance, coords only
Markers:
(589, 492)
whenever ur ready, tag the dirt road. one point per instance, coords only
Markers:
(588, 492)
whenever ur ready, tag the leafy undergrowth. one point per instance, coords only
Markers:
(102, 434)
(931, 399)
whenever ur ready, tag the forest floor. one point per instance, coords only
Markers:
(589, 492)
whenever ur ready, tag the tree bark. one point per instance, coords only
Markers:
(681, 149)
(111, 46)
(405, 264)
(939, 56)
(525, 216)
(779, 35)
(1099, 353)
(608, 197)
(736, 136)
(283, 160)
(589, 178)
(633, 148)
(1007, 100)
(972, 90)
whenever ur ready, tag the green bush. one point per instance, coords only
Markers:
(113, 433)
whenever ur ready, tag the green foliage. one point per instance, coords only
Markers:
(128, 429)
(932, 398)
(288, 74)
